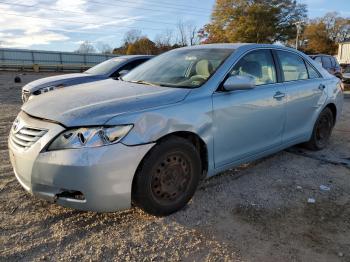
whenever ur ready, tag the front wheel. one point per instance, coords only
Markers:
(167, 177)
(322, 130)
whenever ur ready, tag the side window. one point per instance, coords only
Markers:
(312, 71)
(133, 64)
(258, 65)
(333, 61)
(293, 66)
(129, 66)
(326, 62)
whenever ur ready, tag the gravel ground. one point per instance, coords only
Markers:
(257, 212)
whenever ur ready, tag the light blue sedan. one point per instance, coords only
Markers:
(185, 115)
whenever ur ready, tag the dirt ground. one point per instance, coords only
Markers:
(257, 212)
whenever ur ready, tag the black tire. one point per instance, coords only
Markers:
(167, 177)
(322, 130)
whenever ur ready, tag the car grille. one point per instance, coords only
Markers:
(26, 136)
(25, 96)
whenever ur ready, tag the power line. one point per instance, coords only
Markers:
(198, 14)
(72, 21)
(167, 5)
(90, 23)
(76, 12)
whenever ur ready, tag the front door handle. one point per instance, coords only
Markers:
(321, 87)
(279, 95)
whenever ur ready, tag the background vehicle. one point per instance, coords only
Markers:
(109, 68)
(346, 76)
(329, 63)
(186, 114)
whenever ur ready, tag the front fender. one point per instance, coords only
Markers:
(191, 115)
(150, 125)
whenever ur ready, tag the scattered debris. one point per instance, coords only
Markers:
(325, 188)
(311, 201)
(18, 79)
(13, 210)
(340, 254)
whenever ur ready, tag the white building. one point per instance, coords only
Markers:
(344, 53)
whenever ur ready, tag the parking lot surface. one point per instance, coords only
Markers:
(256, 212)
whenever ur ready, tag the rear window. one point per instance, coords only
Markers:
(326, 62)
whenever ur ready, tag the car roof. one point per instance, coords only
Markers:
(134, 56)
(319, 55)
(217, 46)
(235, 46)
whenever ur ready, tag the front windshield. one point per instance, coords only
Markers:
(346, 70)
(188, 68)
(104, 67)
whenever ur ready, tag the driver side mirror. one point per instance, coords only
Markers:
(239, 83)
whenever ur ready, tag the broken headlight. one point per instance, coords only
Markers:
(89, 137)
(46, 89)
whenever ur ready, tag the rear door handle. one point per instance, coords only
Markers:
(321, 87)
(279, 95)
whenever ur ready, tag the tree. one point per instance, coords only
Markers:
(337, 28)
(317, 39)
(321, 35)
(163, 41)
(104, 48)
(181, 34)
(143, 46)
(187, 33)
(256, 21)
(132, 36)
(86, 47)
(120, 50)
(193, 37)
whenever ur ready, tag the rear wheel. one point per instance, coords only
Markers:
(167, 177)
(322, 130)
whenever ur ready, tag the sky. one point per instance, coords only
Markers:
(62, 25)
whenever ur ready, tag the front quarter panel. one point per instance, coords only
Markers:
(194, 115)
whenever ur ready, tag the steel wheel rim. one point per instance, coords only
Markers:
(171, 178)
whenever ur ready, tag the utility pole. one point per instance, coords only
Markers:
(298, 26)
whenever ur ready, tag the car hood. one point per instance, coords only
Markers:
(95, 103)
(58, 80)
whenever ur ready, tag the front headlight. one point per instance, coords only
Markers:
(46, 89)
(89, 137)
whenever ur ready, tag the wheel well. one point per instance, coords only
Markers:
(333, 108)
(197, 141)
(191, 137)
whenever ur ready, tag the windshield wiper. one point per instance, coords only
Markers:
(143, 82)
(157, 84)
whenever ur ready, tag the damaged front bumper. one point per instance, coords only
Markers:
(96, 179)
